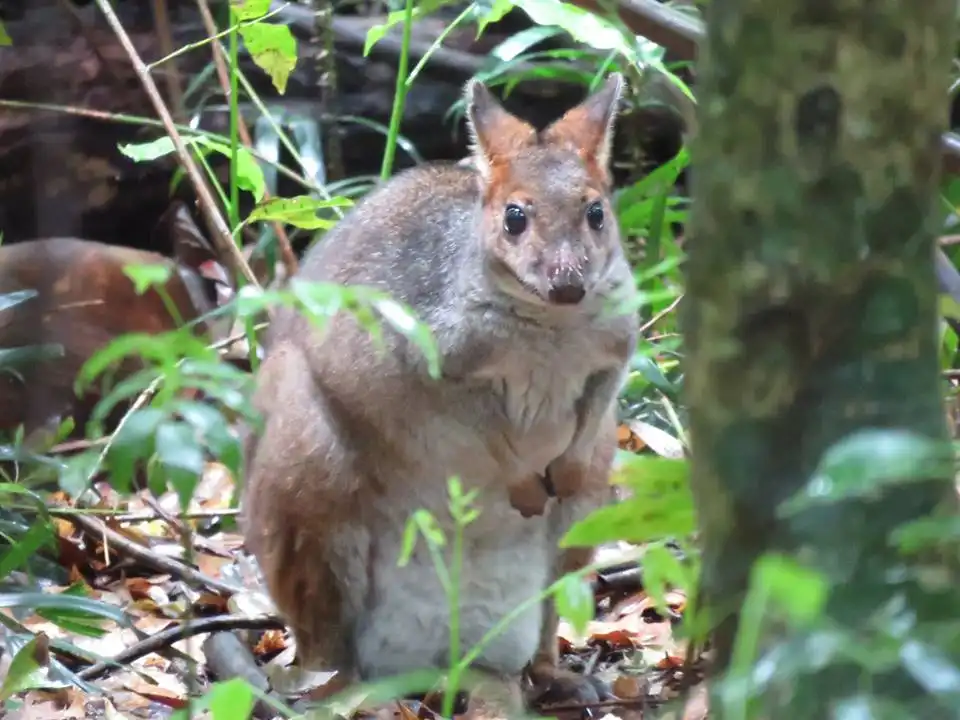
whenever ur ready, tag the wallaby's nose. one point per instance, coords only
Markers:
(567, 289)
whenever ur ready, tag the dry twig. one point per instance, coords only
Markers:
(218, 227)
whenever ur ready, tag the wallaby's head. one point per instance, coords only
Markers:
(549, 229)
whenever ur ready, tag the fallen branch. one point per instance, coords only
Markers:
(127, 547)
(176, 633)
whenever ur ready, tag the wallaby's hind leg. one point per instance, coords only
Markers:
(299, 488)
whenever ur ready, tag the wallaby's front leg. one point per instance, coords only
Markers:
(567, 474)
(300, 492)
(551, 683)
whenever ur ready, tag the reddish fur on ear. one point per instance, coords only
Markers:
(496, 134)
(588, 127)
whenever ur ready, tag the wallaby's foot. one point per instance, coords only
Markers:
(555, 686)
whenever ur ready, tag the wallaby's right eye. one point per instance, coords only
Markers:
(514, 220)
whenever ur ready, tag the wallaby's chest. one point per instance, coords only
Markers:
(534, 385)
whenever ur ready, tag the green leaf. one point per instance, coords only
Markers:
(582, 25)
(181, 457)
(661, 505)
(869, 707)
(495, 13)
(274, 49)
(63, 602)
(406, 323)
(213, 429)
(231, 700)
(74, 621)
(663, 570)
(300, 211)
(575, 602)
(134, 441)
(147, 275)
(17, 357)
(410, 533)
(25, 546)
(249, 174)
(144, 152)
(5, 39)
(75, 472)
(429, 527)
(651, 372)
(376, 33)
(28, 669)
(799, 592)
(927, 532)
(866, 462)
(249, 9)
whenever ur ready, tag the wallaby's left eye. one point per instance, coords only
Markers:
(595, 215)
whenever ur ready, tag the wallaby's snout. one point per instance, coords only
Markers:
(566, 282)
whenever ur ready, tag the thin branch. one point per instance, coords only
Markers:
(660, 315)
(97, 528)
(176, 633)
(218, 228)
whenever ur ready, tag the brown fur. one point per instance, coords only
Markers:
(84, 301)
(355, 436)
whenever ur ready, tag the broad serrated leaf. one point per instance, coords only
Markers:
(299, 211)
(274, 49)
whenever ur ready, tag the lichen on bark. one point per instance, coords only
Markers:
(811, 295)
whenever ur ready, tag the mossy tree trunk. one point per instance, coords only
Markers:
(811, 299)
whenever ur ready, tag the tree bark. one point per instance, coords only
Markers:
(811, 299)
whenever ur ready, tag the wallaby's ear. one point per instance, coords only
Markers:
(495, 134)
(588, 127)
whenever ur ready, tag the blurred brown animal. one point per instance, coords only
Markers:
(84, 300)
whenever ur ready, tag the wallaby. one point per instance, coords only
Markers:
(514, 264)
(84, 300)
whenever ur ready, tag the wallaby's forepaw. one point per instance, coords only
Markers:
(567, 477)
(530, 496)
(565, 686)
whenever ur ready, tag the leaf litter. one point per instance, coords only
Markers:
(629, 645)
